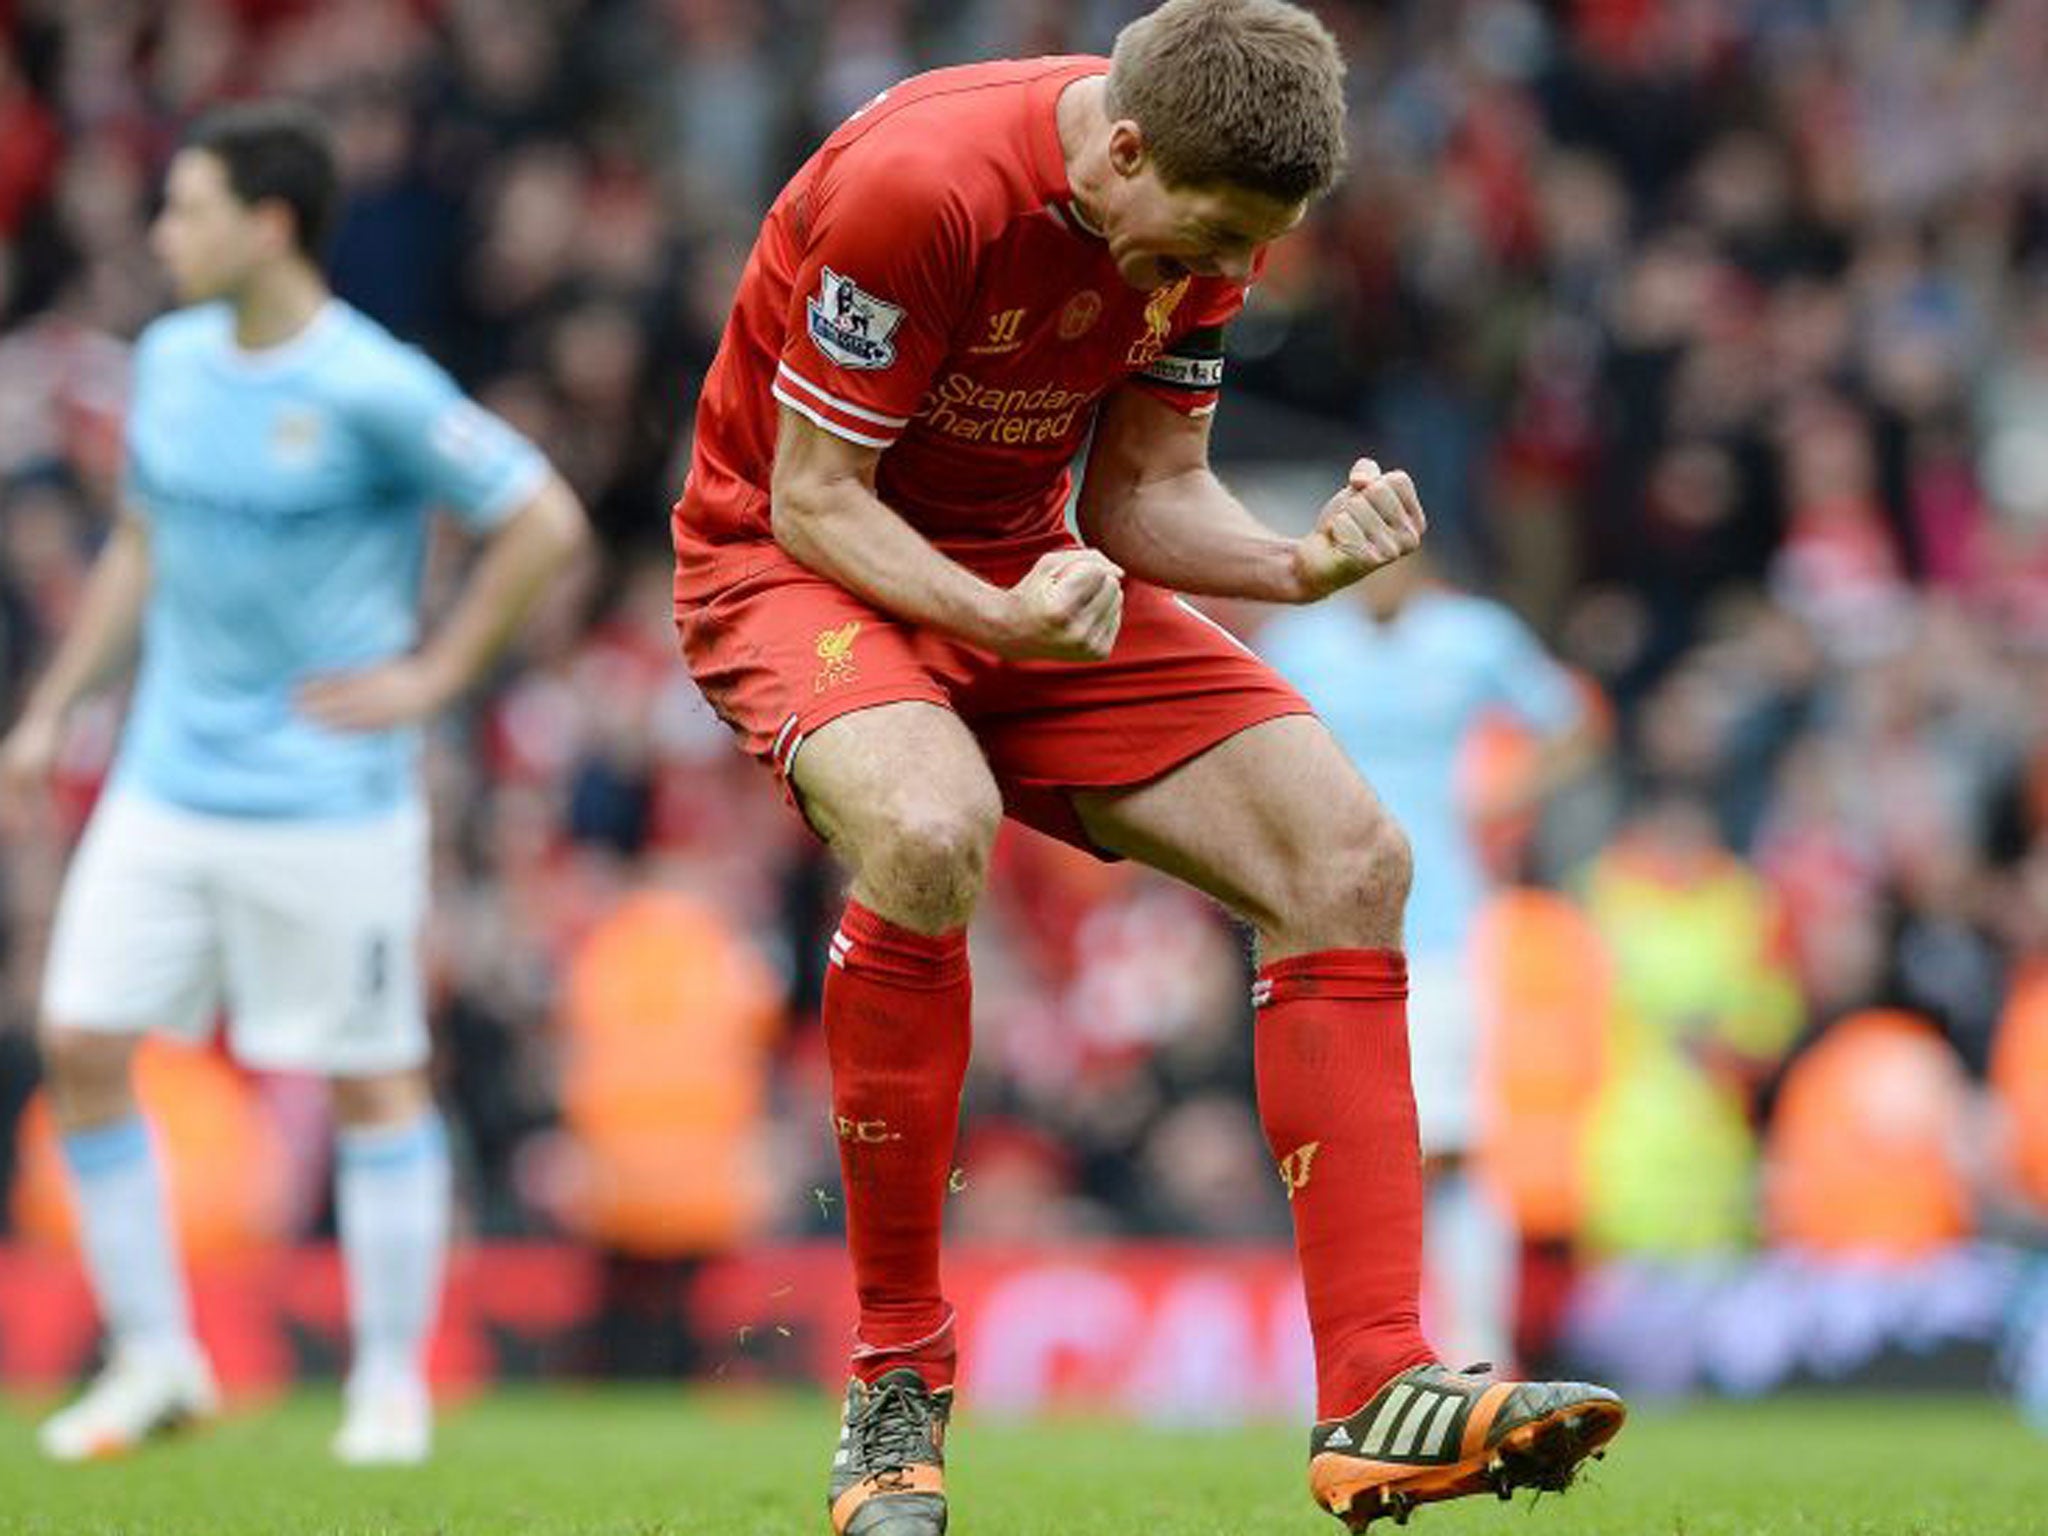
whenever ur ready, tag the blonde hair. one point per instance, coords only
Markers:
(1245, 93)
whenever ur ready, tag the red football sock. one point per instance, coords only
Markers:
(1331, 1053)
(897, 1033)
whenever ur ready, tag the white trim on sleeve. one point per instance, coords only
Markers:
(835, 428)
(859, 413)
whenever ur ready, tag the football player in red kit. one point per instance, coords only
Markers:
(877, 590)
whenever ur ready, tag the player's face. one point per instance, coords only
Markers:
(1160, 234)
(208, 239)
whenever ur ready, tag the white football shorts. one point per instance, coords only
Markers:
(308, 932)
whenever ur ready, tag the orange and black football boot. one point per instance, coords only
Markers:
(1433, 1433)
(889, 1475)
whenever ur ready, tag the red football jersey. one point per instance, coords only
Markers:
(925, 285)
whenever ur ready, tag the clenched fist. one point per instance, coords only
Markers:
(1374, 521)
(1067, 608)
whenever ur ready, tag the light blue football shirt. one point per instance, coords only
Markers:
(287, 495)
(1400, 697)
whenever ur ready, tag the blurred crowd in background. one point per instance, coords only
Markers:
(1715, 334)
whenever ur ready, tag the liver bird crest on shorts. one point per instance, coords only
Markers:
(835, 655)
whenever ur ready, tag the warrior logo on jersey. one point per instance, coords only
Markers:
(1004, 327)
(850, 325)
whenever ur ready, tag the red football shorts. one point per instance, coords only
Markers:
(781, 651)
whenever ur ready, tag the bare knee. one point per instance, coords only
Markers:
(1385, 869)
(926, 859)
(1351, 892)
(88, 1075)
(381, 1098)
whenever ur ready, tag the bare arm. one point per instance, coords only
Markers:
(827, 515)
(99, 644)
(1565, 755)
(536, 543)
(1561, 756)
(1151, 503)
(101, 641)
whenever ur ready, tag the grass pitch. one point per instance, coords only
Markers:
(665, 1463)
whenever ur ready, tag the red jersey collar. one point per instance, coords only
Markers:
(1049, 161)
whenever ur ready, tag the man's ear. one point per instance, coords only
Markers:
(280, 224)
(1127, 149)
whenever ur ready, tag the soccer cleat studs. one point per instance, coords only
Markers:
(1433, 1434)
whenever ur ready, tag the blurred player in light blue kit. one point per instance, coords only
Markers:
(1401, 676)
(262, 840)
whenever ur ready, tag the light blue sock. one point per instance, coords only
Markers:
(131, 1254)
(392, 1198)
(1474, 1258)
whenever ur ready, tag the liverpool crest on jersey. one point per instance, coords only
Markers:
(850, 325)
(1158, 321)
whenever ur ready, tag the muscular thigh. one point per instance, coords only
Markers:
(905, 798)
(1276, 824)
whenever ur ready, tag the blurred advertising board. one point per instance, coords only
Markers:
(1163, 1332)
